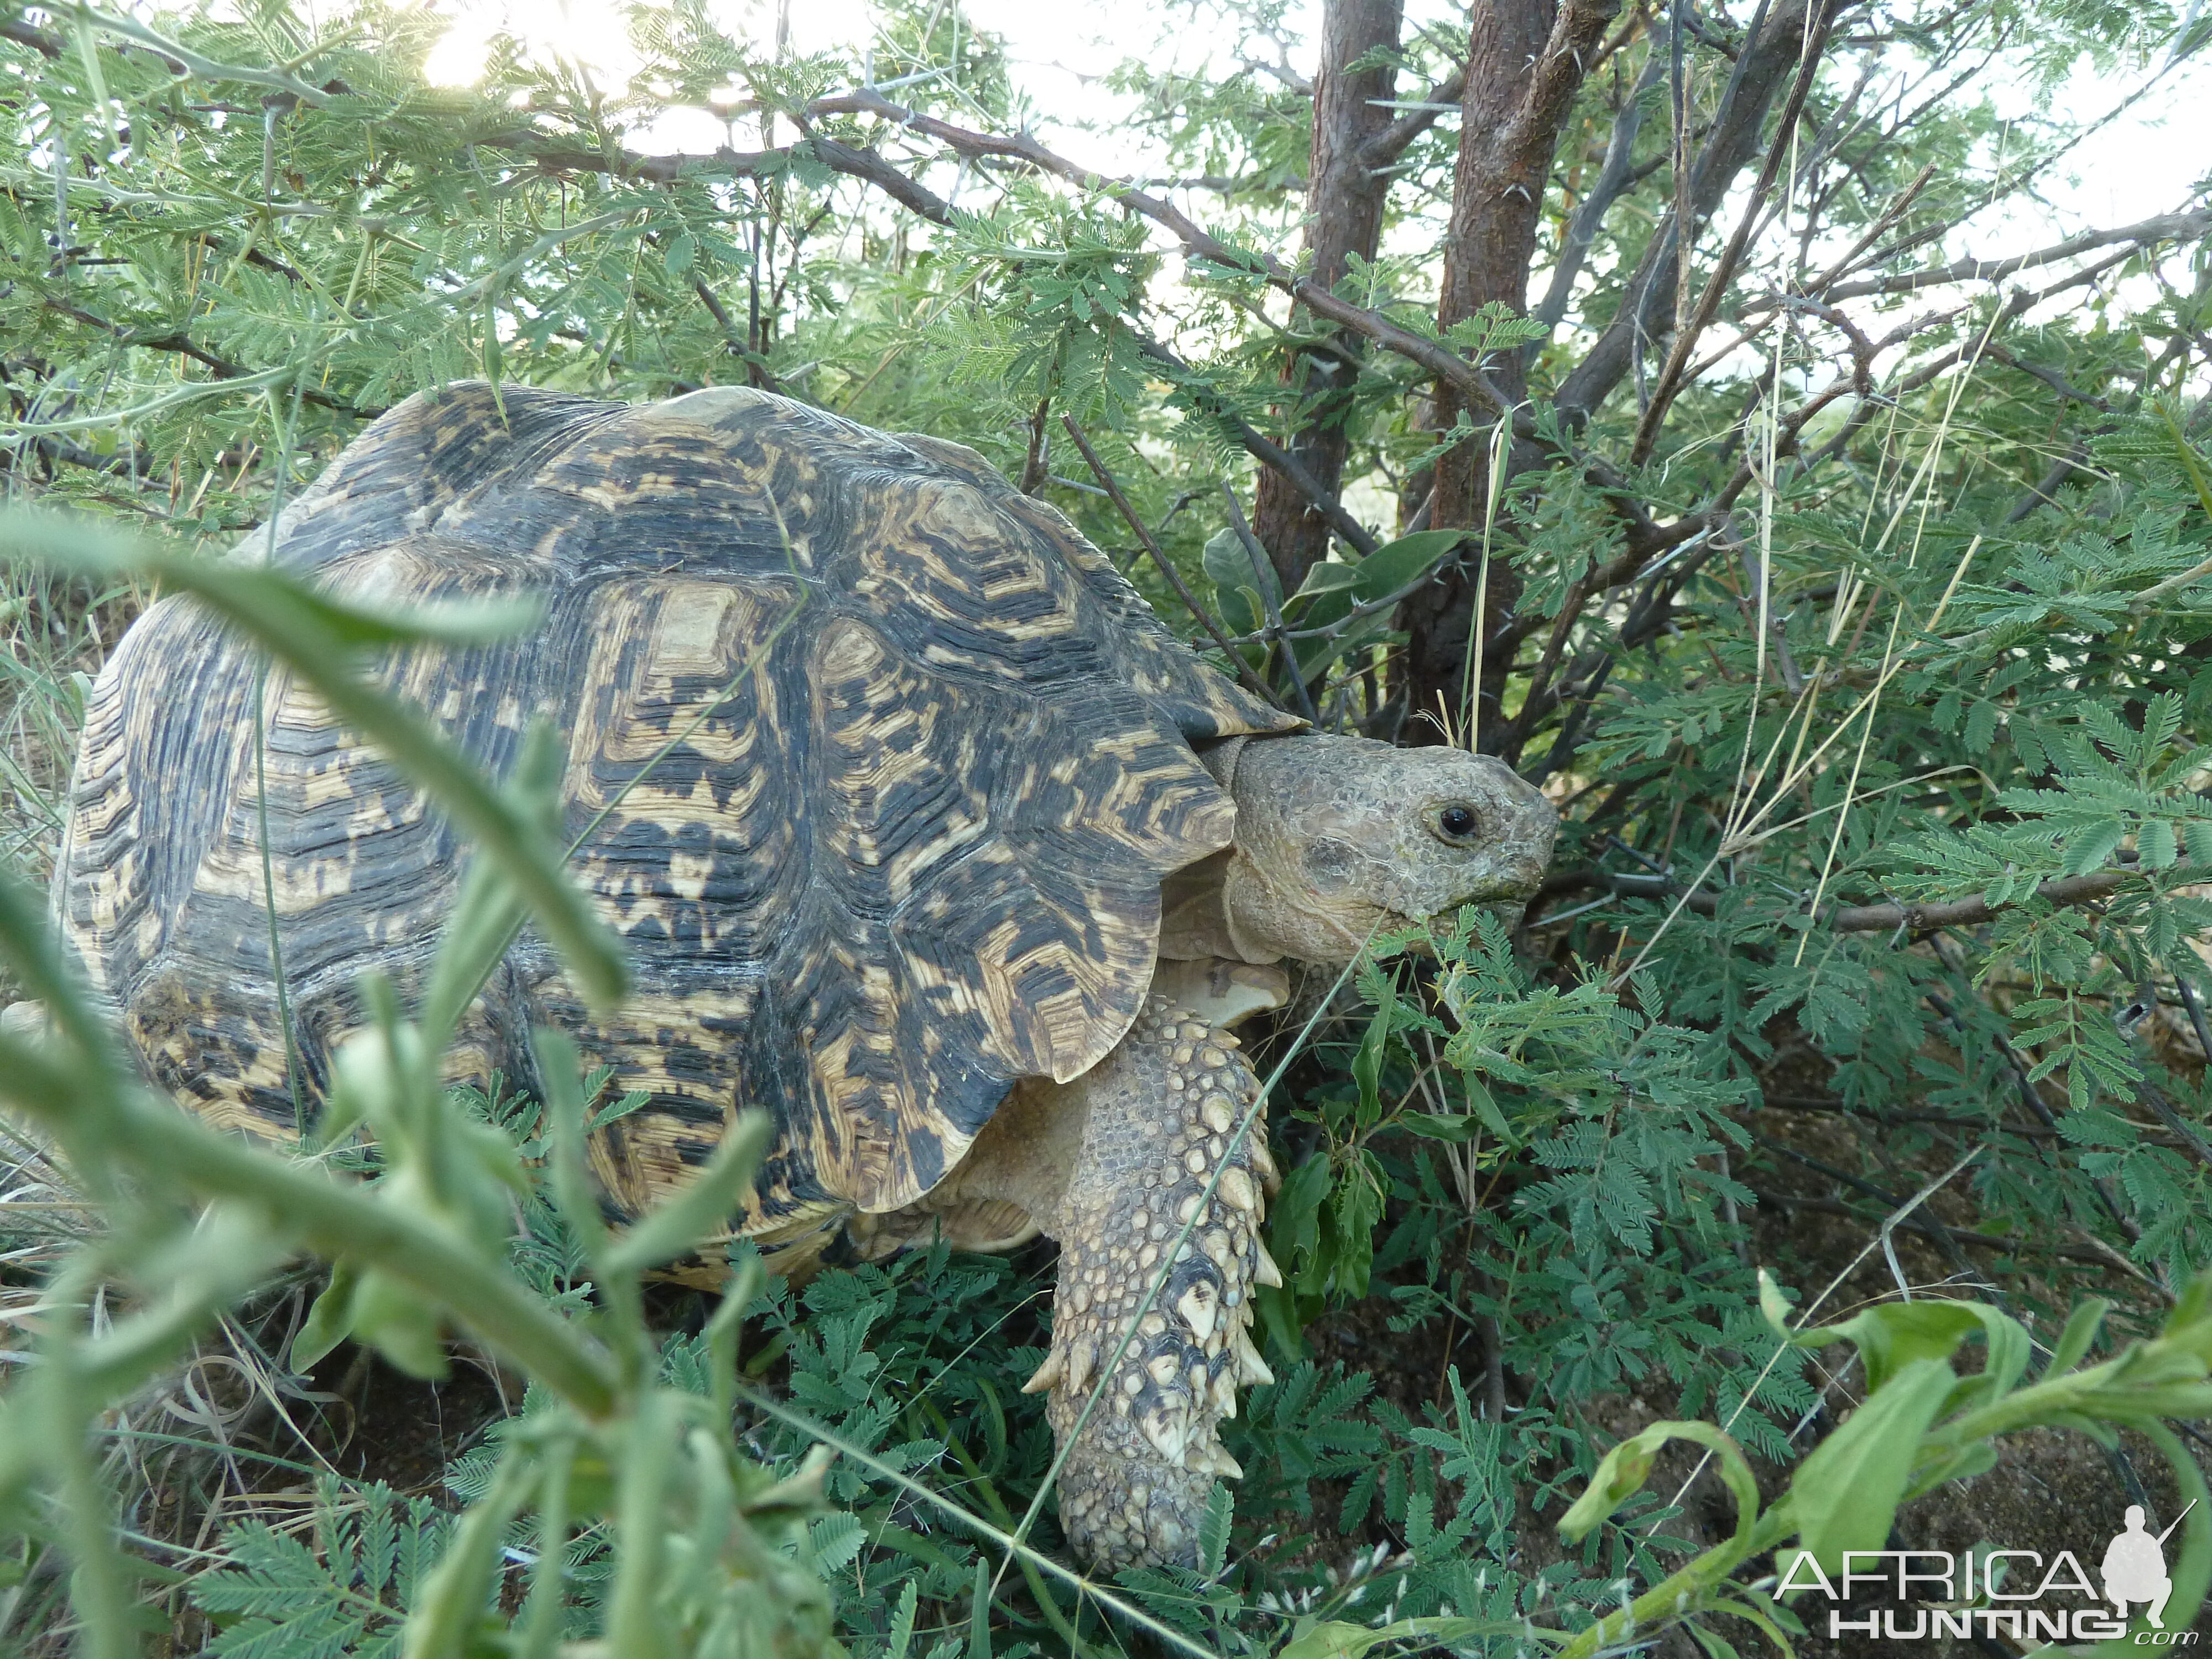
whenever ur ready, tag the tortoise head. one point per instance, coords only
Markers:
(1337, 834)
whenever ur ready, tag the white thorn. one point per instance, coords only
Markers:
(1265, 1272)
(1226, 1466)
(1254, 1368)
(1054, 1368)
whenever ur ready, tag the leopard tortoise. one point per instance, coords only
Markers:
(963, 877)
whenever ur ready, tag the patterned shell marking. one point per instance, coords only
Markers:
(911, 854)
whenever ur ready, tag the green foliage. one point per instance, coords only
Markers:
(1340, 614)
(1921, 1423)
(710, 1557)
(1055, 287)
(1846, 644)
(373, 1552)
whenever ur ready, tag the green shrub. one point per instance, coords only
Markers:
(1871, 676)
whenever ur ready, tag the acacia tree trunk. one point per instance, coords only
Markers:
(1344, 207)
(1518, 98)
(1525, 65)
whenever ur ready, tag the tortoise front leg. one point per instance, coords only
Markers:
(1159, 1113)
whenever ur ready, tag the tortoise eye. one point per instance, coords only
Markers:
(1457, 822)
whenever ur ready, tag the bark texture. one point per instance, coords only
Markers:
(1344, 205)
(1526, 60)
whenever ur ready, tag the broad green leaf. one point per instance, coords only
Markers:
(679, 1222)
(1240, 606)
(1355, 1210)
(1485, 1108)
(2074, 1341)
(328, 1320)
(1329, 576)
(1341, 1641)
(1431, 1126)
(1331, 589)
(1895, 1334)
(1846, 1492)
(1392, 565)
(2009, 1347)
(1622, 1472)
(1374, 1046)
(1619, 1476)
(1774, 1307)
(1294, 1229)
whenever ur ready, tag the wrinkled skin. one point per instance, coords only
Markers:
(1338, 835)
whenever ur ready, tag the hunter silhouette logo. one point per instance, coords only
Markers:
(2013, 1593)
(2135, 1567)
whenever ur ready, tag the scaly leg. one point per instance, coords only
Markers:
(1158, 1114)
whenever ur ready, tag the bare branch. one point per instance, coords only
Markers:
(2167, 228)
(1756, 78)
(1345, 201)
(1972, 912)
(1857, 918)
(1263, 449)
(2056, 382)
(177, 343)
(1197, 243)
(1724, 273)
(46, 46)
(1615, 178)
(871, 168)
(727, 163)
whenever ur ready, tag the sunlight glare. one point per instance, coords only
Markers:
(595, 33)
(2139, 165)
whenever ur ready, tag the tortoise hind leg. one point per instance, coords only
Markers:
(1159, 1114)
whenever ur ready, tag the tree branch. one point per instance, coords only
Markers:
(2171, 227)
(1735, 133)
(46, 46)
(1262, 448)
(1343, 225)
(1724, 273)
(871, 168)
(1854, 918)
(1197, 243)
(1615, 178)
(867, 165)
(180, 343)
(1167, 568)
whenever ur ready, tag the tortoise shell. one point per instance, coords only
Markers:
(911, 854)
